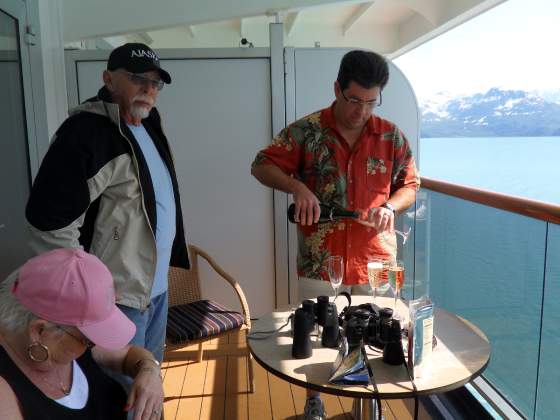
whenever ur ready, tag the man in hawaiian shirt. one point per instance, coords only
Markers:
(343, 156)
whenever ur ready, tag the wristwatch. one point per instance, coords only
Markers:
(389, 206)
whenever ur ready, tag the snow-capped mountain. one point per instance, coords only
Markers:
(496, 113)
(550, 95)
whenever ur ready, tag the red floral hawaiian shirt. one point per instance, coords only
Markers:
(380, 163)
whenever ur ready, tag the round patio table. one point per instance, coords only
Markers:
(462, 353)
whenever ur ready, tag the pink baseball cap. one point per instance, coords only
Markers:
(71, 287)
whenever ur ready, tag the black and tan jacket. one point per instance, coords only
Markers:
(94, 190)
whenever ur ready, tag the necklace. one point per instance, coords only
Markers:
(65, 389)
(61, 387)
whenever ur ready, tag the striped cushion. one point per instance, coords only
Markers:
(200, 319)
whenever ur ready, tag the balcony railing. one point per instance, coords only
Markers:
(495, 260)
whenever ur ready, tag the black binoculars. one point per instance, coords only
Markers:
(371, 325)
(365, 324)
(323, 313)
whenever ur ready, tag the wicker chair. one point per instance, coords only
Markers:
(192, 320)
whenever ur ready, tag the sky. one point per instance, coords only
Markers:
(515, 45)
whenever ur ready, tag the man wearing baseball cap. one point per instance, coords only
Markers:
(108, 184)
(58, 324)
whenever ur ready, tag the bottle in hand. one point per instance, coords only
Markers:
(328, 213)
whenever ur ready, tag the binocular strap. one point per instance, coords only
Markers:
(373, 383)
(263, 335)
(413, 387)
(372, 380)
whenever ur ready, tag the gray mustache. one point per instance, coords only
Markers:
(143, 98)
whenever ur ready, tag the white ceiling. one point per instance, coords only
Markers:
(391, 27)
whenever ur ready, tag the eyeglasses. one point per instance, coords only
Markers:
(82, 340)
(140, 80)
(368, 104)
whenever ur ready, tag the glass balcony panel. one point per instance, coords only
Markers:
(487, 265)
(548, 403)
(406, 249)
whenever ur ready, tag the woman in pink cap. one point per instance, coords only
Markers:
(58, 325)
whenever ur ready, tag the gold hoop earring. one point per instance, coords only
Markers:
(43, 348)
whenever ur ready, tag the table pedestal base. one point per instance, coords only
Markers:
(364, 409)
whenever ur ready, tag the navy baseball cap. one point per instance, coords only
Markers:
(136, 58)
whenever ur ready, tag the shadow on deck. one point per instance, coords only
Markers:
(217, 388)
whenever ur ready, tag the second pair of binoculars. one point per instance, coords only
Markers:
(368, 324)
(311, 313)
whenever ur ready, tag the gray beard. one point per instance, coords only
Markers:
(140, 112)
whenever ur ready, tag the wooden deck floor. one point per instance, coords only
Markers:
(217, 388)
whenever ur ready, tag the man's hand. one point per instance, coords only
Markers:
(307, 209)
(379, 218)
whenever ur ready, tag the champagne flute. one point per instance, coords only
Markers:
(396, 281)
(374, 271)
(335, 268)
(403, 234)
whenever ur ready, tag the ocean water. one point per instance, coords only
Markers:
(498, 269)
(522, 166)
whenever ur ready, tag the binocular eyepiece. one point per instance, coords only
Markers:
(371, 325)
(323, 313)
(365, 324)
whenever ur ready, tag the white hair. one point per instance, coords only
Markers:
(14, 317)
(141, 112)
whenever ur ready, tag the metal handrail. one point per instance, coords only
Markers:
(524, 206)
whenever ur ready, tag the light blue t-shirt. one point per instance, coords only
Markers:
(165, 206)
